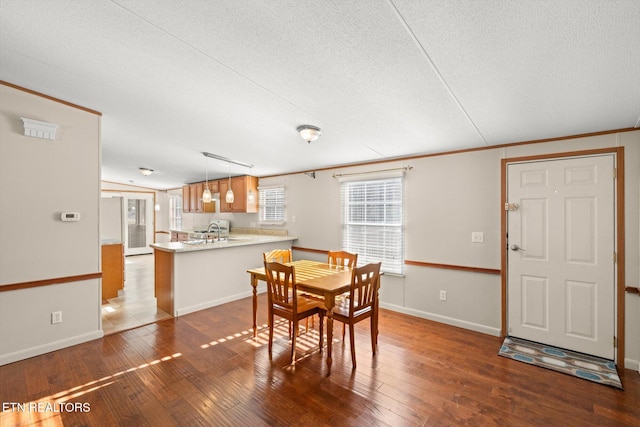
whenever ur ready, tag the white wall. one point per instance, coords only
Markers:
(447, 197)
(161, 197)
(111, 227)
(39, 179)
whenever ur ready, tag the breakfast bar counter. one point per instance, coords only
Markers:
(194, 275)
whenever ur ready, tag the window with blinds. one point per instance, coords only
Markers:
(272, 205)
(175, 212)
(372, 221)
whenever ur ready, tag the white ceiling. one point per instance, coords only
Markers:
(381, 78)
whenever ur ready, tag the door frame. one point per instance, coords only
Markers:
(150, 215)
(124, 208)
(619, 231)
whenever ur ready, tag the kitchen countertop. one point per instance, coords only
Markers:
(234, 241)
(110, 242)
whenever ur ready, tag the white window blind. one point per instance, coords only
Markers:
(272, 205)
(372, 221)
(175, 212)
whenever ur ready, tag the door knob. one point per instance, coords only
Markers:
(517, 248)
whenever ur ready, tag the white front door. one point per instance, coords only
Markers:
(138, 220)
(561, 243)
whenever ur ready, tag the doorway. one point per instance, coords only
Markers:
(561, 250)
(129, 216)
(139, 223)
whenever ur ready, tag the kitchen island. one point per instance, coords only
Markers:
(194, 275)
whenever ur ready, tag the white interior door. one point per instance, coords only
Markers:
(561, 243)
(138, 220)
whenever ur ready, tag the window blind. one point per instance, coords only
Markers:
(372, 221)
(175, 212)
(272, 205)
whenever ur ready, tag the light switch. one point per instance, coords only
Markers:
(477, 237)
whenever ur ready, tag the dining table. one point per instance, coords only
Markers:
(317, 278)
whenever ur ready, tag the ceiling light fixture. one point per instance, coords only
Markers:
(251, 198)
(309, 133)
(206, 194)
(229, 197)
(226, 159)
(146, 171)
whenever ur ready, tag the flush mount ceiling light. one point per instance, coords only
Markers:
(146, 171)
(309, 133)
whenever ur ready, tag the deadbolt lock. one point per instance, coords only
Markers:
(510, 206)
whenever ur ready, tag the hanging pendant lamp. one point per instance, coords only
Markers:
(229, 198)
(251, 198)
(206, 194)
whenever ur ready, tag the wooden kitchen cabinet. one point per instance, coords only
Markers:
(195, 197)
(112, 270)
(186, 198)
(192, 198)
(240, 185)
(213, 186)
(177, 236)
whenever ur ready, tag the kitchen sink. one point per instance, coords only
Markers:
(194, 242)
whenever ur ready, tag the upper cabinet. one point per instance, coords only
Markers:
(186, 198)
(241, 186)
(213, 186)
(192, 198)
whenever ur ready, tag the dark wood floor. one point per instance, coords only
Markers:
(206, 369)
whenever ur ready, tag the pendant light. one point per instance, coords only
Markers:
(229, 198)
(251, 198)
(206, 194)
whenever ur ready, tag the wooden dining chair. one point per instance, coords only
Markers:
(342, 259)
(284, 301)
(361, 304)
(282, 256)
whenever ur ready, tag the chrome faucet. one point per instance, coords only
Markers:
(217, 226)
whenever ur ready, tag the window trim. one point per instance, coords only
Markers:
(261, 205)
(398, 268)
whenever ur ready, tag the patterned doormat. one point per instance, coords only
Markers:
(601, 371)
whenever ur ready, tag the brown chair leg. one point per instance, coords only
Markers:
(352, 341)
(293, 343)
(374, 337)
(321, 327)
(270, 335)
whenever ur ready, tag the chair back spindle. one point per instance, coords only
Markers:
(342, 259)
(282, 256)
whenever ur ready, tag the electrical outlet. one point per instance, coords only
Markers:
(477, 237)
(293, 218)
(443, 295)
(56, 317)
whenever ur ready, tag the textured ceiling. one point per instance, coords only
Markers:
(381, 78)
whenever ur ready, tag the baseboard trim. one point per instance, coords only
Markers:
(634, 365)
(49, 347)
(443, 319)
(208, 304)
